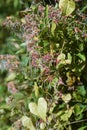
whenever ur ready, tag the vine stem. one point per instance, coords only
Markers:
(75, 122)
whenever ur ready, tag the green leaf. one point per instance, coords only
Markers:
(81, 56)
(24, 44)
(16, 3)
(46, 14)
(24, 60)
(81, 47)
(78, 109)
(67, 6)
(53, 28)
(45, 43)
(26, 121)
(39, 109)
(67, 114)
(2, 90)
(81, 90)
(83, 128)
(69, 57)
(18, 96)
(5, 107)
(21, 51)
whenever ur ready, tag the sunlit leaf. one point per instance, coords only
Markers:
(42, 126)
(70, 7)
(69, 57)
(67, 114)
(26, 121)
(67, 6)
(61, 56)
(33, 108)
(36, 89)
(11, 77)
(66, 98)
(53, 28)
(42, 108)
(39, 109)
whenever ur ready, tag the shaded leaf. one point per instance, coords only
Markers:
(83, 128)
(81, 90)
(81, 56)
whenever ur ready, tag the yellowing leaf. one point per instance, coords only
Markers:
(42, 108)
(66, 98)
(63, 5)
(39, 109)
(70, 7)
(67, 6)
(33, 108)
(61, 56)
(53, 28)
(42, 126)
(26, 121)
(11, 77)
(23, 21)
(36, 89)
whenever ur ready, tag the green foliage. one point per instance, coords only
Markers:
(44, 79)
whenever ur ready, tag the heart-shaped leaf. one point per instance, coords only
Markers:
(33, 108)
(67, 6)
(39, 109)
(42, 108)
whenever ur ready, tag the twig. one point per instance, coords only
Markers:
(75, 122)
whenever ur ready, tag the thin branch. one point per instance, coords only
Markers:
(75, 122)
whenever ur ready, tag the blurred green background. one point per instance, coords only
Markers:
(9, 8)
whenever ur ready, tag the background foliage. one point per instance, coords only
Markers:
(44, 68)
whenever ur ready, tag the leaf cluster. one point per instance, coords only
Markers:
(47, 88)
